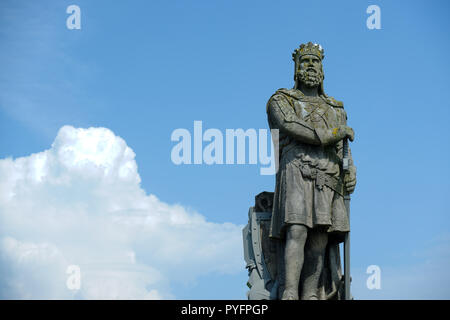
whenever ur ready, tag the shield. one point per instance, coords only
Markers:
(260, 251)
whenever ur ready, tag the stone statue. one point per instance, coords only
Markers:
(306, 217)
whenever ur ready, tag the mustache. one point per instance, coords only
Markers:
(311, 72)
(311, 78)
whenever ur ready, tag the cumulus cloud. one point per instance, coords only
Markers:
(80, 203)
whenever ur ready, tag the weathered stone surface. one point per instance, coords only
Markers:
(308, 214)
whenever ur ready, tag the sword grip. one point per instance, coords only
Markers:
(345, 159)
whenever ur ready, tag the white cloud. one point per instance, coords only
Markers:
(80, 202)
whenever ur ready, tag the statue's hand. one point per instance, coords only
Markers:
(350, 179)
(342, 132)
(349, 133)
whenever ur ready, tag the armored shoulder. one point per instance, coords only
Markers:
(333, 102)
(281, 95)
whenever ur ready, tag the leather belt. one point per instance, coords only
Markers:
(322, 179)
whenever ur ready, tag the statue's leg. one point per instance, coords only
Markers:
(313, 266)
(296, 235)
(281, 275)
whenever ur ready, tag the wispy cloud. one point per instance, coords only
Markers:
(37, 86)
(425, 277)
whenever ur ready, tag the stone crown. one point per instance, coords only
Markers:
(308, 49)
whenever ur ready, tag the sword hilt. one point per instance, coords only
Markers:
(345, 159)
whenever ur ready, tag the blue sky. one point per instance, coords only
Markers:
(143, 69)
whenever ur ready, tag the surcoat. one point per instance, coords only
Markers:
(309, 183)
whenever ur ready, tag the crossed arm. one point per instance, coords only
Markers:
(283, 117)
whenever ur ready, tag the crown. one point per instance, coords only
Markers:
(306, 49)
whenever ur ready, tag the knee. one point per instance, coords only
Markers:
(317, 244)
(297, 232)
(315, 251)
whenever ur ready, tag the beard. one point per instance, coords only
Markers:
(311, 78)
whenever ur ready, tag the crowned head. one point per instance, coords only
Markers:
(308, 64)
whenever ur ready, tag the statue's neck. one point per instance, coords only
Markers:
(308, 91)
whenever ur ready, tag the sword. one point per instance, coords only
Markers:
(345, 166)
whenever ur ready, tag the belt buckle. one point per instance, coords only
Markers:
(307, 171)
(320, 180)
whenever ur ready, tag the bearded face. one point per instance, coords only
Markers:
(311, 72)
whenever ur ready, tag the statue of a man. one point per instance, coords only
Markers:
(309, 215)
